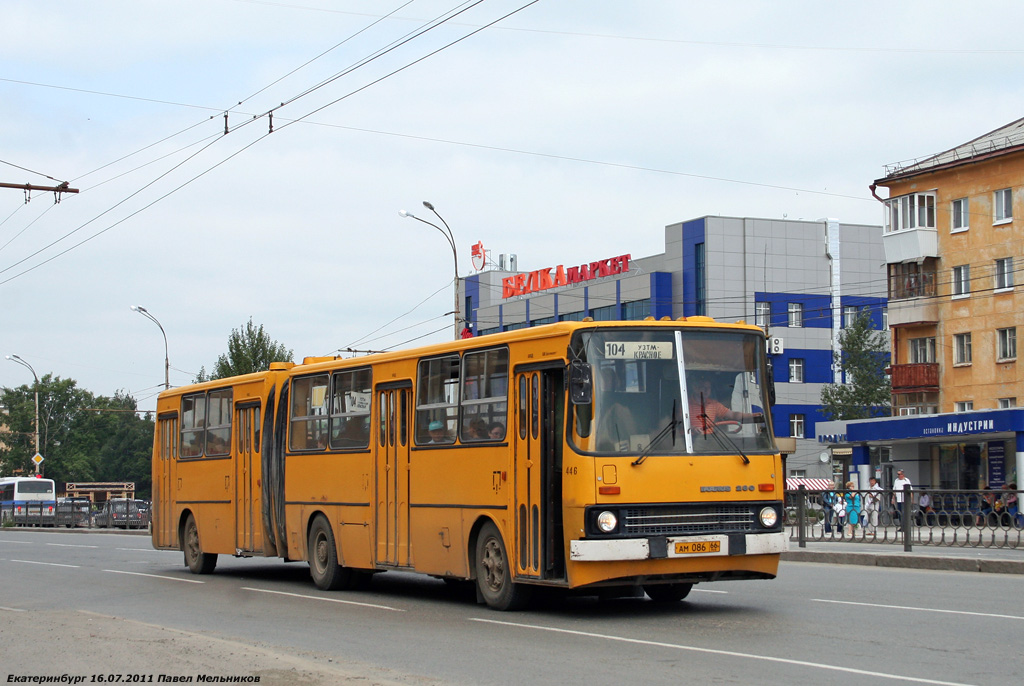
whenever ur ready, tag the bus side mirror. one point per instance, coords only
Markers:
(770, 379)
(581, 383)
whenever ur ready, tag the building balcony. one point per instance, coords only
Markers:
(910, 244)
(912, 299)
(915, 378)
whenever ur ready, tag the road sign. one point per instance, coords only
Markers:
(38, 459)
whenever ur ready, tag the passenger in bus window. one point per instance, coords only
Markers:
(496, 431)
(438, 433)
(477, 430)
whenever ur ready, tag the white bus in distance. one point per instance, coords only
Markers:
(27, 501)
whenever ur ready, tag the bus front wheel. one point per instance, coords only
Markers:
(327, 574)
(494, 573)
(667, 593)
(196, 560)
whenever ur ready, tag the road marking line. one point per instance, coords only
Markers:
(144, 550)
(72, 545)
(918, 609)
(156, 576)
(727, 653)
(329, 600)
(48, 564)
(7, 540)
(707, 590)
(12, 609)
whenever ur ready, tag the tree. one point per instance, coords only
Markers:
(81, 436)
(863, 356)
(250, 350)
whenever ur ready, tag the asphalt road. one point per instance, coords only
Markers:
(105, 605)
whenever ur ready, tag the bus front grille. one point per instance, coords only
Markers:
(669, 521)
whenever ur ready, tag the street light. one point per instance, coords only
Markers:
(450, 237)
(167, 360)
(23, 363)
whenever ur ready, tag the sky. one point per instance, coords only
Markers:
(562, 131)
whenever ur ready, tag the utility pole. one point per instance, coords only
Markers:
(63, 187)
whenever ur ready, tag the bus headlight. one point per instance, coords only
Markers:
(769, 517)
(607, 521)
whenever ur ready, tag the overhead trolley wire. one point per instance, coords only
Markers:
(161, 176)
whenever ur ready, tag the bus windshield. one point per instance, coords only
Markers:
(640, 380)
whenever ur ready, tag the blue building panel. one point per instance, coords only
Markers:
(694, 232)
(661, 295)
(781, 413)
(817, 365)
(875, 306)
(817, 309)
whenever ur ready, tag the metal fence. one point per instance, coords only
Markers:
(27, 513)
(69, 514)
(936, 517)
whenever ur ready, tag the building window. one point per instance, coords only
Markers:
(700, 276)
(637, 309)
(1004, 205)
(762, 314)
(1004, 273)
(1006, 344)
(961, 216)
(922, 350)
(962, 280)
(1005, 403)
(849, 315)
(885, 318)
(797, 473)
(543, 320)
(962, 348)
(608, 313)
(796, 426)
(914, 211)
(796, 314)
(572, 316)
(964, 405)
(796, 370)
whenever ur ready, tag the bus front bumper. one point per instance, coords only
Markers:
(660, 547)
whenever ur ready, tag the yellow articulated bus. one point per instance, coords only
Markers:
(604, 456)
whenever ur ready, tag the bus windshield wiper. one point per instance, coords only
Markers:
(670, 427)
(720, 435)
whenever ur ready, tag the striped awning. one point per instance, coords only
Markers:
(810, 484)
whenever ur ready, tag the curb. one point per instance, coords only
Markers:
(951, 564)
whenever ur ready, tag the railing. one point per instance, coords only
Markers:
(914, 377)
(28, 513)
(958, 518)
(69, 515)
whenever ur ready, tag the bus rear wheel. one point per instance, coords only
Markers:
(667, 593)
(327, 574)
(196, 560)
(494, 573)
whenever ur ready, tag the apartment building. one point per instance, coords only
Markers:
(954, 241)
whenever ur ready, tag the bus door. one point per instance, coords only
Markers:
(165, 488)
(247, 476)
(394, 403)
(537, 437)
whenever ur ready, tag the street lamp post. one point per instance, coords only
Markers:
(23, 363)
(450, 237)
(167, 360)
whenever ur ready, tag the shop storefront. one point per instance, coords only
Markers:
(963, 450)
